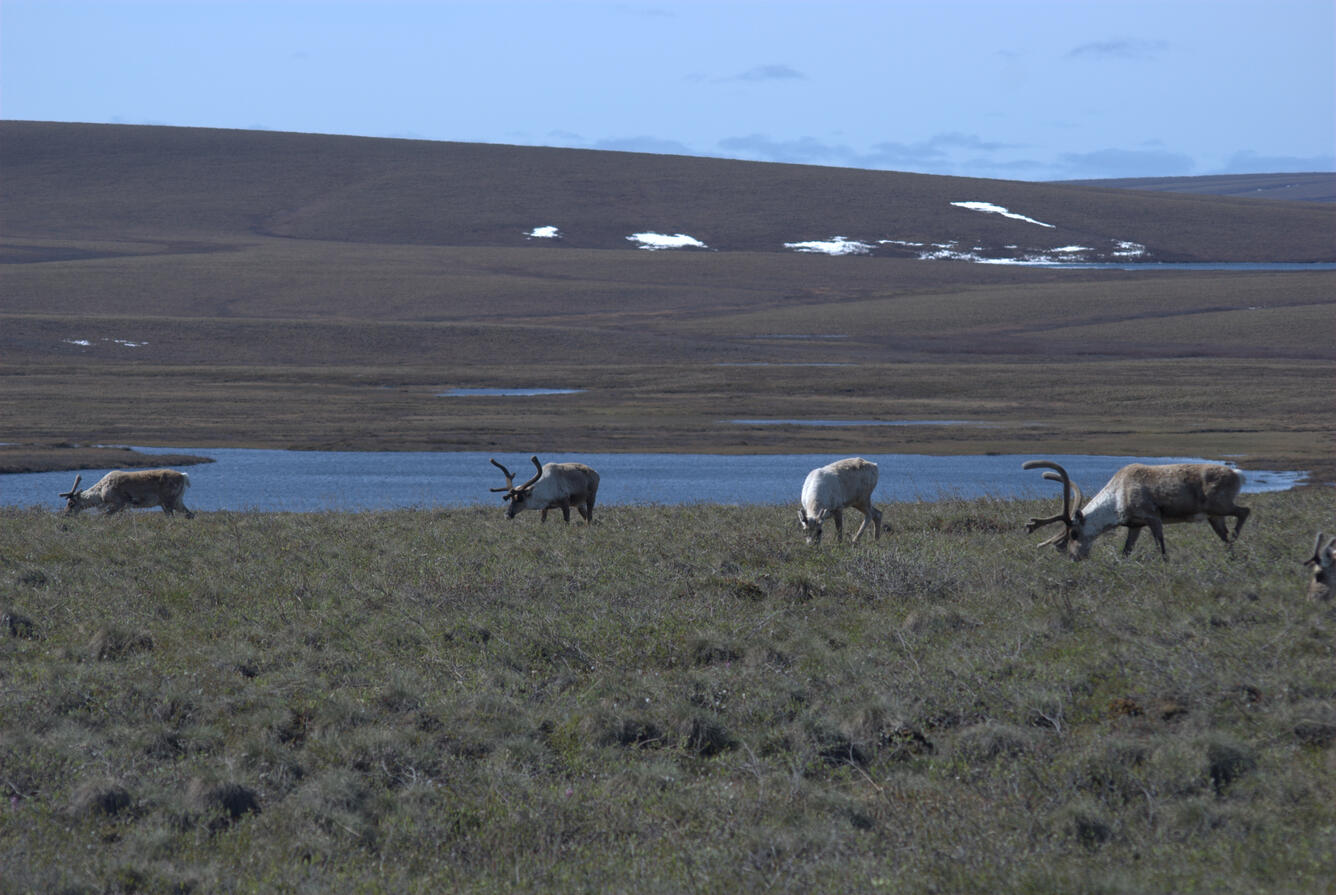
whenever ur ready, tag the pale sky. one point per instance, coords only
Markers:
(1015, 89)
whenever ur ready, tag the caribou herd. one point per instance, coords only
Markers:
(1138, 496)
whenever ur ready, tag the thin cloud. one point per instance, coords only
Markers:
(1126, 48)
(777, 72)
(1249, 162)
(1104, 163)
(804, 150)
(644, 144)
(937, 154)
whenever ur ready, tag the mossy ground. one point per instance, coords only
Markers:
(675, 699)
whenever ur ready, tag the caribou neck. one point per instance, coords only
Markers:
(1104, 512)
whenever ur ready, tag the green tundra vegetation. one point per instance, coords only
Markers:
(673, 699)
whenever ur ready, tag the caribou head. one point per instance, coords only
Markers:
(517, 498)
(1072, 539)
(72, 503)
(1322, 586)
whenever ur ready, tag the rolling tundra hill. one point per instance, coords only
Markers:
(90, 181)
(1311, 186)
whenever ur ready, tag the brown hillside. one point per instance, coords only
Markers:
(104, 181)
(1315, 186)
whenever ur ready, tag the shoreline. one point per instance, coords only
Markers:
(29, 458)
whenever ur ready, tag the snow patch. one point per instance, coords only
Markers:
(838, 245)
(88, 343)
(547, 232)
(990, 208)
(656, 241)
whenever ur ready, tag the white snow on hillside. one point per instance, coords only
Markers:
(990, 208)
(948, 250)
(87, 343)
(839, 245)
(656, 241)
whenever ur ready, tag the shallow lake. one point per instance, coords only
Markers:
(306, 481)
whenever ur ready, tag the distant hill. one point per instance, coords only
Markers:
(65, 183)
(1317, 186)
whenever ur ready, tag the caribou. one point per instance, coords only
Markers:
(1322, 584)
(1141, 496)
(553, 486)
(122, 488)
(829, 490)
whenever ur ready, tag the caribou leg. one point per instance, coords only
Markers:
(1241, 514)
(1133, 532)
(1157, 529)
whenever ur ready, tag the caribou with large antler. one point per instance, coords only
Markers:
(121, 488)
(1141, 496)
(1322, 586)
(553, 486)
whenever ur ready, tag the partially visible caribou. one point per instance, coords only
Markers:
(829, 490)
(122, 488)
(553, 486)
(1322, 586)
(1141, 496)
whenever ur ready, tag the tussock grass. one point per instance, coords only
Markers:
(675, 699)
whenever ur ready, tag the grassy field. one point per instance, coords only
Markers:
(675, 699)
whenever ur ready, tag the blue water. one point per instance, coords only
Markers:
(305, 481)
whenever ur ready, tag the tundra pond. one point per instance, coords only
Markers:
(313, 481)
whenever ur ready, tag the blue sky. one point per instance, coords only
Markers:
(1016, 89)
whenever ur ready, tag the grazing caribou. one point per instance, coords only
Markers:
(1140, 496)
(1322, 586)
(122, 488)
(829, 490)
(553, 486)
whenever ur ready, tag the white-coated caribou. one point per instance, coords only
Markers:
(1141, 496)
(1322, 586)
(123, 488)
(830, 489)
(553, 486)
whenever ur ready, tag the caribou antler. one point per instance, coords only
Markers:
(1077, 497)
(536, 476)
(74, 490)
(1316, 558)
(510, 477)
(1071, 497)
